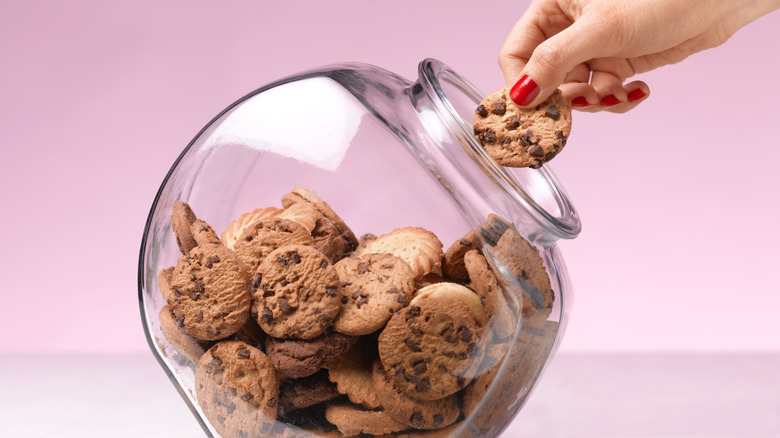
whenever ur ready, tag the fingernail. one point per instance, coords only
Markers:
(636, 95)
(610, 100)
(524, 91)
(580, 102)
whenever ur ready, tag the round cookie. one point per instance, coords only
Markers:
(185, 344)
(434, 414)
(203, 233)
(302, 393)
(418, 247)
(164, 282)
(265, 235)
(303, 213)
(517, 137)
(210, 293)
(373, 287)
(452, 266)
(485, 284)
(352, 420)
(237, 227)
(237, 389)
(182, 218)
(300, 358)
(295, 293)
(327, 239)
(430, 348)
(299, 194)
(352, 373)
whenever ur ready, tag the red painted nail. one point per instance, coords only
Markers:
(580, 102)
(610, 100)
(524, 91)
(636, 95)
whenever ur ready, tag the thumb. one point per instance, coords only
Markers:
(555, 57)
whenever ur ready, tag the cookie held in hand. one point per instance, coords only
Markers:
(516, 137)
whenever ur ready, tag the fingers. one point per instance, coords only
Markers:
(586, 97)
(553, 59)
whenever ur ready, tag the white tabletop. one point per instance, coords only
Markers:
(580, 395)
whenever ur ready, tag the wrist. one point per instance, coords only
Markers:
(737, 14)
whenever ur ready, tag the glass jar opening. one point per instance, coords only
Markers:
(537, 191)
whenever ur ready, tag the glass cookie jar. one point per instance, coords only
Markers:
(335, 255)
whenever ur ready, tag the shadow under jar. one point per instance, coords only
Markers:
(393, 163)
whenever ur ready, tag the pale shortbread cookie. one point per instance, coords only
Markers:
(303, 213)
(516, 137)
(352, 374)
(300, 194)
(237, 227)
(454, 291)
(352, 420)
(418, 247)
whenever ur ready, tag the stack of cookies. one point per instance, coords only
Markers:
(298, 328)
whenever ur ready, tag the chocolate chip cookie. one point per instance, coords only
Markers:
(433, 414)
(181, 220)
(373, 287)
(431, 347)
(210, 293)
(295, 394)
(300, 194)
(353, 420)
(185, 344)
(265, 235)
(516, 137)
(453, 266)
(237, 389)
(300, 358)
(295, 292)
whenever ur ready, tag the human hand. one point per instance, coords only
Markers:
(588, 48)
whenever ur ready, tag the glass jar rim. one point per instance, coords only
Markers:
(433, 73)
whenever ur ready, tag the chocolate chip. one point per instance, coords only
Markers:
(465, 334)
(199, 316)
(401, 299)
(249, 237)
(416, 419)
(256, 280)
(461, 382)
(216, 363)
(283, 282)
(437, 420)
(553, 113)
(194, 296)
(414, 346)
(282, 260)
(549, 156)
(246, 397)
(482, 111)
(323, 264)
(559, 135)
(361, 301)
(513, 123)
(399, 369)
(449, 335)
(362, 269)
(302, 292)
(331, 291)
(272, 401)
(420, 368)
(344, 300)
(381, 371)
(284, 306)
(242, 434)
(387, 266)
(488, 136)
(180, 321)
(268, 316)
(528, 138)
(464, 241)
(499, 108)
(414, 311)
(243, 352)
(356, 295)
(536, 151)
(423, 385)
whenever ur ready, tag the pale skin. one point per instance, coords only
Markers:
(589, 48)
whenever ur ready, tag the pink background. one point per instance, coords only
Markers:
(679, 198)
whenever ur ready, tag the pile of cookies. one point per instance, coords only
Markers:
(298, 328)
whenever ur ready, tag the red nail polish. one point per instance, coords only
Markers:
(580, 102)
(636, 95)
(524, 91)
(610, 100)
